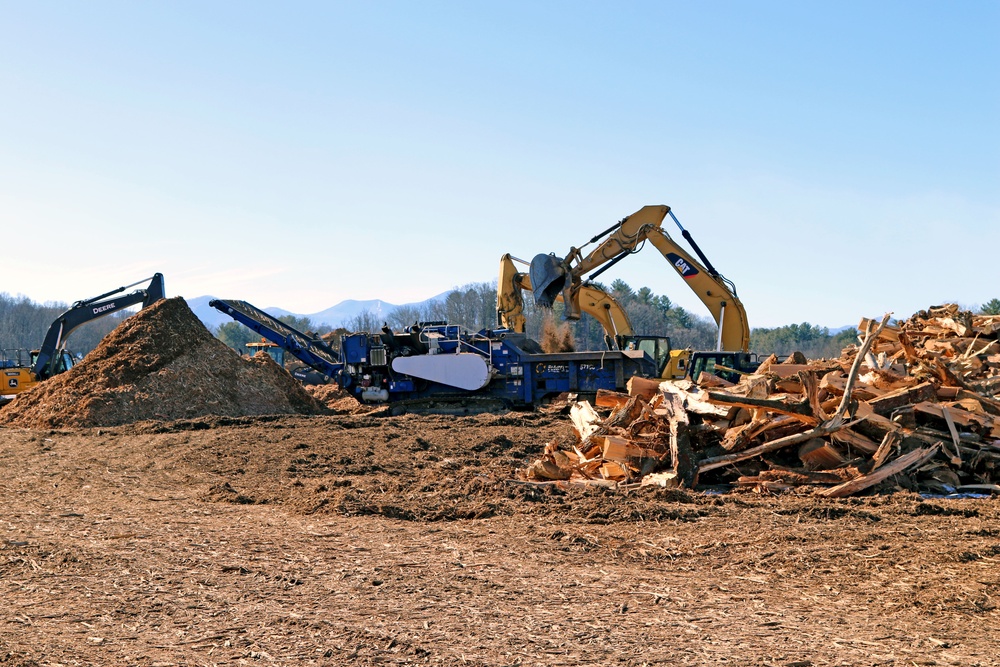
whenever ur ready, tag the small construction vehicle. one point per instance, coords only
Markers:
(272, 350)
(568, 279)
(22, 371)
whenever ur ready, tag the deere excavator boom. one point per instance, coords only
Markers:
(82, 312)
(52, 358)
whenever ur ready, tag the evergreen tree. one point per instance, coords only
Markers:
(991, 307)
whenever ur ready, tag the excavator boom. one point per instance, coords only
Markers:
(52, 357)
(553, 277)
(84, 311)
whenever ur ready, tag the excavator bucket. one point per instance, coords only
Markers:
(548, 277)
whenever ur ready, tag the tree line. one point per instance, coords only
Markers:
(474, 307)
(23, 323)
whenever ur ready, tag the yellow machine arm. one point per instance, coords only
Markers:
(591, 300)
(552, 278)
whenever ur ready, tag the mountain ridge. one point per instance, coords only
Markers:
(335, 316)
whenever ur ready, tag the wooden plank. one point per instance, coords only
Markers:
(914, 458)
(886, 403)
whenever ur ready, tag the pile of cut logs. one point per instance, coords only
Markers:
(913, 406)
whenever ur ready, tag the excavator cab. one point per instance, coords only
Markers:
(657, 347)
(64, 361)
(272, 350)
(729, 366)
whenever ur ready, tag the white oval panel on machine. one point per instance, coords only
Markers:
(464, 370)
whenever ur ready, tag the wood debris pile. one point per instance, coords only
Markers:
(161, 363)
(913, 407)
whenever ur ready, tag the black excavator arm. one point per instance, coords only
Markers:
(82, 312)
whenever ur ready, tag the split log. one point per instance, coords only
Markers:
(850, 438)
(547, 470)
(800, 410)
(891, 440)
(914, 458)
(706, 379)
(725, 459)
(886, 403)
(979, 423)
(681, 452)
(585, 419)
(643, 388)
(616, 448)
(817, 454)
(610, 399)
(888, 332)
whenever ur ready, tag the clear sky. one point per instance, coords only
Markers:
(834, 160)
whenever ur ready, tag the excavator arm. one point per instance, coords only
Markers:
(552, 277)
(591, 300)
(82, 312)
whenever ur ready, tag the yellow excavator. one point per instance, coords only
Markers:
(551, 278)
(22, 371)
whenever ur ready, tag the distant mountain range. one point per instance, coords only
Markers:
(334, 316)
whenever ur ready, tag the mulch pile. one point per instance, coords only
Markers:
(337, 400)
(913, 407)
(161, 363)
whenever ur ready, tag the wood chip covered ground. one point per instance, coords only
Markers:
(366, 539)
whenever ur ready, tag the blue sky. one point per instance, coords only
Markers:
(834, 160)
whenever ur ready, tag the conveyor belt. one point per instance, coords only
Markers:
(312, 351)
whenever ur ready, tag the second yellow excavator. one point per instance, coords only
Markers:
(551, 278)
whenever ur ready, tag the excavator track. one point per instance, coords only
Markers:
(450, 405)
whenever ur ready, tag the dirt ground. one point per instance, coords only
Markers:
(372, 540)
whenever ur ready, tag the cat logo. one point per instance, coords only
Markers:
(12, 383)
(682, 266)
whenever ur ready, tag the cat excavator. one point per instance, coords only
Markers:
(569, 279)
(21, 372)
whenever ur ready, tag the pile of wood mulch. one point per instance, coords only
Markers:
(913, 407)
(337, 400)
(161, 363)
